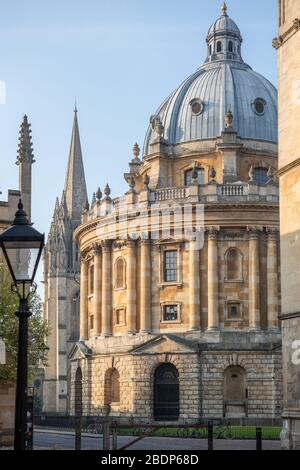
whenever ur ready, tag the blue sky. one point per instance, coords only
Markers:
(120, 58)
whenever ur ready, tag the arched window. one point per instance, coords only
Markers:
(260, 175)
(120, 273)
(234, 265)
(219, 46)
(230, 46)
(112, 386)
(235, 392)
(188, 176)
(166, 393)
(210, 50)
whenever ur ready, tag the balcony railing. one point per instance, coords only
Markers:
(232, 190)
(169, 193)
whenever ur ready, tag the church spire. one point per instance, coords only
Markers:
(75, 186)
(24, 161)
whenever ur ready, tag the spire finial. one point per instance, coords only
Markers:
(224, 9)
(75, 108)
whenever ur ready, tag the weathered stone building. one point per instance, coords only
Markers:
(61, 306)
(288, 43)
(177, 325)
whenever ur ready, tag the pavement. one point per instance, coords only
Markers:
(64, 440)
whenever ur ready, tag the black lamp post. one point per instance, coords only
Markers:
(22, 246)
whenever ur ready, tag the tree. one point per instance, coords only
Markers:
(9, 324)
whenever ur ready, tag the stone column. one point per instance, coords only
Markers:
(131, 286)
(194, 287)
(106, 327)
(213, 280)
(254, 298)
(83, 300)
(146, 322)
(272, 278)
(97, 290)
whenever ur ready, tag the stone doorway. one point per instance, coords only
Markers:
(166, 393)
(235, 392)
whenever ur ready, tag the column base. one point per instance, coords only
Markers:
(255, 329)
(213, 329)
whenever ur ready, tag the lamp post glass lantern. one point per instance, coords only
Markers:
(22, 247)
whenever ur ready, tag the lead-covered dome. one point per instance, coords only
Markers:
(196, 109)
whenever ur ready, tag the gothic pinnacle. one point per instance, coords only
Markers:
(25, 149)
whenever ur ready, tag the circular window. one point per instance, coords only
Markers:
(197, 107)
(259, 106)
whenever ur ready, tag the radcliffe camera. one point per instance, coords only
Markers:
(150, 246)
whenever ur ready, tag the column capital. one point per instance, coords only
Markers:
(131, 243)
(272, 233)
(83, 258)
(96, 249)
(254, 232)
(145, 241)
(106, 245)
(213, 232)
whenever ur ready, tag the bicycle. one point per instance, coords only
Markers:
(95, 428)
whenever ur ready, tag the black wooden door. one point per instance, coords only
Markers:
(166, 393)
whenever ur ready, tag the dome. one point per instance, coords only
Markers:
(196, 109)
(224, 23)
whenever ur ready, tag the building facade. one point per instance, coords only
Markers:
(61, 266)
(289, 174)
(179, 284)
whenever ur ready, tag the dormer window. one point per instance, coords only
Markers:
(219, 46)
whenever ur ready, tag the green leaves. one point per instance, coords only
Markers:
(37, 331)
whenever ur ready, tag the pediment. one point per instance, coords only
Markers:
(165, 344)
(80, 351)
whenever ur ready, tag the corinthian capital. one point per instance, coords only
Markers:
(272, 233)
(106, 245)
(254, 232)
(213, 232)
(96, 249)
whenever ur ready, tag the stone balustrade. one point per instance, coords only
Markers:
(210, 193)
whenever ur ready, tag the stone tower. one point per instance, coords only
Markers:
(61, 307)
(25, 161)
(288, 43)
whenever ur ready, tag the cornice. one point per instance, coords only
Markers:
(288, 167)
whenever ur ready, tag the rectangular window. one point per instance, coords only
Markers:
(234, 311)
(120, 316)
(170, 313)
(170, 266)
